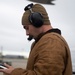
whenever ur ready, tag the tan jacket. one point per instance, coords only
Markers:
(49, 56)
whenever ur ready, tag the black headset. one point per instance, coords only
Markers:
(35, 18)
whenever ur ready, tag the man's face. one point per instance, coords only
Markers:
(31, 31)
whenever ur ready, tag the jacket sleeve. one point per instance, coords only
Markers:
(50, 59)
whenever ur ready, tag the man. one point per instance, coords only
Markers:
(50, 54)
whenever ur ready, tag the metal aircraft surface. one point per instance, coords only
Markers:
(44, 1)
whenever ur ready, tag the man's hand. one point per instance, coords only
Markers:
(8, 69)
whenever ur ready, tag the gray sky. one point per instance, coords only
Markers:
(12, 36)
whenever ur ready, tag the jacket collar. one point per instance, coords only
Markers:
(49, 31)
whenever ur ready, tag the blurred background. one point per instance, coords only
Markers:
(13, 39)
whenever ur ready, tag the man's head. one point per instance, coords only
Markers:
(34, 17)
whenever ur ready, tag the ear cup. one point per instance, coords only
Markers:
(36, 19)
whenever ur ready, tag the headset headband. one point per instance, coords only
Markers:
(35, 18)
(29, 7)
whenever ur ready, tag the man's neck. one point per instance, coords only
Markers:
(46, 28)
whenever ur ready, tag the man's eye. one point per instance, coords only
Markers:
(26, 28)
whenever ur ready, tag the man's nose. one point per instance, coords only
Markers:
(27, 33)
